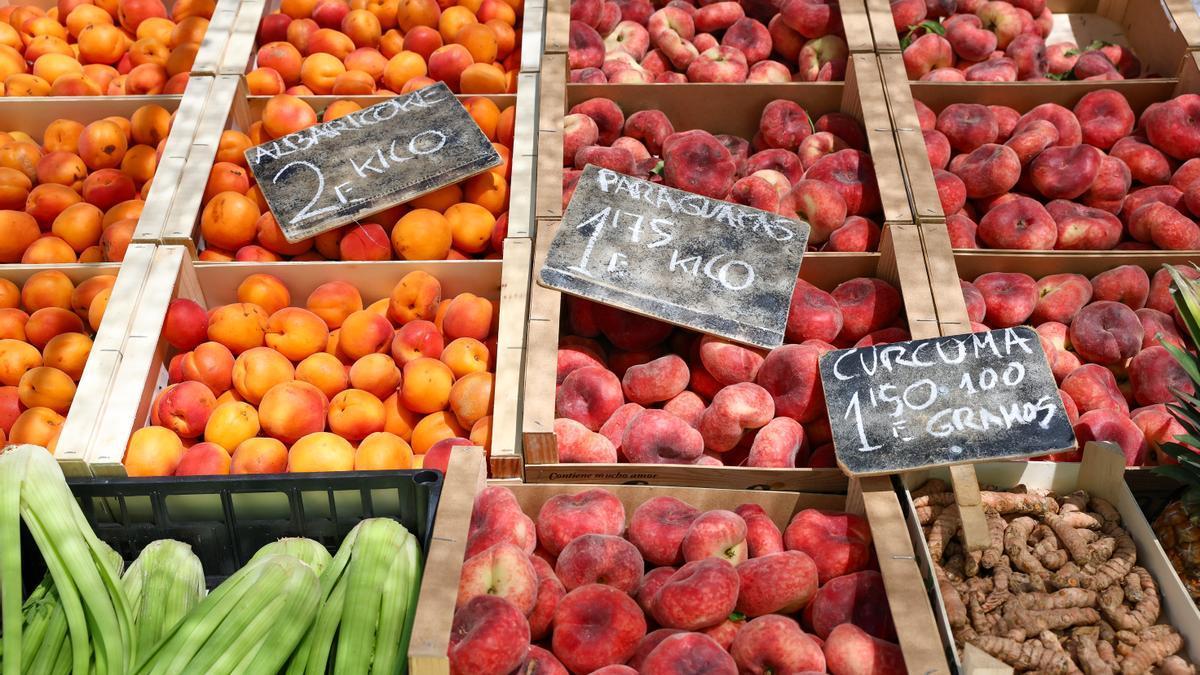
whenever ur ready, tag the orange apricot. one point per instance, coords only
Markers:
(432, 428)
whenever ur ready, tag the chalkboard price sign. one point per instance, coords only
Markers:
(334, 173)
(947, 400)
(715, 266)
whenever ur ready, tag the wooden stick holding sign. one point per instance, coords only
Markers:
(334, 173)
(710, 265)
(945, 401)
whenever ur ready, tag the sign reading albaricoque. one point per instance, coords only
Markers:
(702, 263)
(333, 173)
(963, 398)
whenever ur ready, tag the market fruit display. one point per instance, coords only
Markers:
(127, 47)
(291, 608)
(1057, 591)
(1107, 340)
(265, 386)
(997, 41)
(818, 170)
(76, 195)
(638, 390)
(386, 48)
(678, 590)
(1178, 526)
(636, 41)
(47, 325)
(468, 219)
(1095, 177)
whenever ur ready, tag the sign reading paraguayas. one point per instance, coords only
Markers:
(334, 173)
(710, 265)
(948, 400)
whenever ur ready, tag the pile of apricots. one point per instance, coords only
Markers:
(365, 47)
(76, 196)
(100, 47)
(262, 386)
(465, 220)
(46, 330)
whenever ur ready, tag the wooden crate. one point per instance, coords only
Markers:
(1100, 474)
(95, 384)
(689, 106)
(1021, 96)
(854, 20)
(825, 270)
(142, 372)
(1161, 32)
(874, 498)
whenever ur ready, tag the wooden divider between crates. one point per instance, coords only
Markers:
(533, 37)
(142, 372)
(856, 26)
(1160, 32)
(92, 389)
(873, 498)
(226, 36)
(1100, 474)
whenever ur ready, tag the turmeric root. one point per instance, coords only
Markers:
(1032, 621)
(956, 610)
(942, 531)
(1084, 642)
(1032, 655)
(1071, 539)
(1006, 503)
(1144, 612)
(996, 527)
(1062, 599)
(1107, 512)
(1174, 665)
(1016, 545)
(929, 487)
(1155, 644)
(1000, 590)
(1116, 567)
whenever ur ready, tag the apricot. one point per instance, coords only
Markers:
(468, 315)
(210, 363)
(364, 332)
(270, 237)
(226, 177)
(353, 83)
(416, 296)
(401, 68)
(22, 156)
(439, 200)
(150, 124)
(101, 75)
(102, 43)
(131, 209)
(17, 358)
(283, 58)
(230, 424)
(12, 324)
(46, 387)
(325, 372)
(229, 220)
(259, 455)
(115, 239)
(321, 451)
(140, 163)
(332, 42)
(14, 189)
(376, 374)
(190, 30)
(297, 9)
(481, 433)
(319, 72)
(86, 291)
(239, 326)
(300, 31)
(49, 322)
(47, 200)
(465, 356)
(153, 451)
(79, 225)
(422, 234)
(97, 308)
(425, 386)
(454, 19)
(17, 232)
(84, 15)
(368, 60)
(471, 225)
(38, 426)
(284, 114)
(334, 302)
(423, 40)
(50, 67)
(67, 352)
(48, 288)
(411, 13)
(264, 290)
(185, 9)
(296, 333)
(382, 451)
(48, 250)
(108, 187)
(355, 414)
(415, 339)
(471, 398)
(232, 147)
(102, 145)
(432, 428)
(10, 294)
(362, 27)
(149, 50)
(258, 369)
(292, 410)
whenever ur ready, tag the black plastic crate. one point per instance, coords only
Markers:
(226, 519)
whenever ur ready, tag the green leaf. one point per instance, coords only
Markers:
(1072, 52)
(933, 27)
(737, 616)
(905, 41)
(1057, 76)
(1186, 293)
(1097, 44)
(658, 168)
(1175, 473)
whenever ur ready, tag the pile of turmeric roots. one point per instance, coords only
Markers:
(1057, 591)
